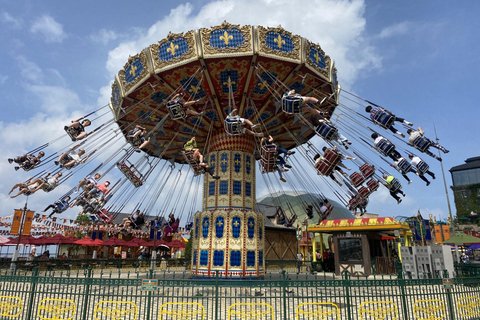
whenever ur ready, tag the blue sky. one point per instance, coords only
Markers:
(419, 59)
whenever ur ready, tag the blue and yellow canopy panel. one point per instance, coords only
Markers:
(227, 66)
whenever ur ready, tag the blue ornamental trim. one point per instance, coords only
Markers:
(279, 42)
(233, 75)
(192, 86)
(248, 163)
(133, 70)
(116, 96)
(172, 49)
(317, 58)
(237, 162)
(264, 81)
(159, 97)
(226, 38)
(224, 162)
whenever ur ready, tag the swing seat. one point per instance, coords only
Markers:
(269, 159)
(332, 156)
(135, 141)
(105, 216)
(421, 143)
(367, 170)
(26, 166)
(384, 119)
(404, 165)
(292, 104)
(357, 179)
(176, 111)
(72, 132)
(132, 174)
(395, 185)
(385, 147)
(355, 201)
(422, 167)
(326, 131)
(327, 212)
(372, 185)
(234, 127)
(364, 192)
(324, 167)
(189, 226)
(94, 218)
(194, 163)
(292, 220)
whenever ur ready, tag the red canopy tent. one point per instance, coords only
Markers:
(137, 242)
(85, 242)
(177, 244)
(114, 241)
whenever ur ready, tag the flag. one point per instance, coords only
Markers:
(17, 220)
(428, 233)
(27, 224)
(417, 228)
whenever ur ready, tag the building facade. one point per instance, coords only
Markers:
(466, 187)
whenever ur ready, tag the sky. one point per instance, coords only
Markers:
(419, 59)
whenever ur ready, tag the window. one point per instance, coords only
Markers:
(250, 258)
(464, 193)
(223, 187)
(237, 187)
(236, 223)
(218, 258)
(350, 249)
(205, 225)
(251, 228)
(235, 258)
(211, 188)
(219, 226)
(248, 189)
(260, 258)
(203, 257)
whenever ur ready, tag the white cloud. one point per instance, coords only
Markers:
(51, 30)
(11, 21)
(395, 30)
(29, 70)
(104, 36)
(338, 26)
(3, 79)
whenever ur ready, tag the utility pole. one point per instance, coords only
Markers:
(13, 265)
(452, 229)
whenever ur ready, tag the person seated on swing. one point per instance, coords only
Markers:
(359, 206)
(88, 180)
(234, 117)
(388, 183)
(172, 228)
(316, 120)
(100, 189)
(139, 222)
(373, 112)
(420, 134)
(185, 105)
(306, 109)
(343, 157)
(415, 161)
(81, 200)
(268, 143)
(27, 161)
(32, 186)
(401, 170)
(378, 140)
(72, 158)
(78, 128)
(191, 145)
(318, 158)
(129, 220)
(58, 206)
(137, 137)
(325, 205)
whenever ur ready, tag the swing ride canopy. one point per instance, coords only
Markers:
(260, 64)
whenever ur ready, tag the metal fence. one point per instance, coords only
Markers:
(116, 293)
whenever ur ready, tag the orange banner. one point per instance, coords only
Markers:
(27, 225)
(438, 233)
(17, 220)
(446, 232)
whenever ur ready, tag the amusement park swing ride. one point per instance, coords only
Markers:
(237, 96)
